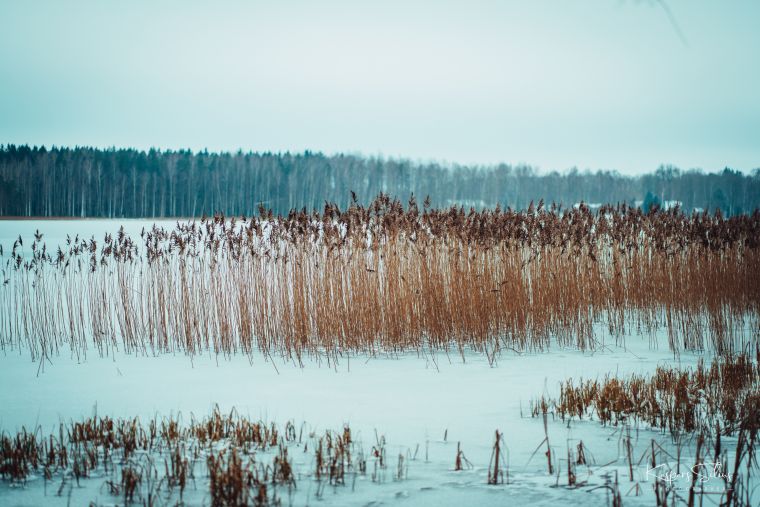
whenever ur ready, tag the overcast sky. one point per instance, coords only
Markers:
(589, 83)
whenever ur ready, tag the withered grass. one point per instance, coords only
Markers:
(389, 278)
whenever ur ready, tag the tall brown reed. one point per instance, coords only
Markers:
(387, 278)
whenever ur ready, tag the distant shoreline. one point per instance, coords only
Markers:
(58, 218)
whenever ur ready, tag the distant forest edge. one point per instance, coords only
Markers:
(90, 182)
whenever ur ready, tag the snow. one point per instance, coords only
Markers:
(405, 398)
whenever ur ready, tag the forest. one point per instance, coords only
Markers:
(121, 183)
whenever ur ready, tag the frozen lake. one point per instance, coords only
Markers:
(408, 399)
(54, 231)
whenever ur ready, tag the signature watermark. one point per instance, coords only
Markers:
(701, 473)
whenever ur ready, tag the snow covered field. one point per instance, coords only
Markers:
(406, 399)
(423, 405)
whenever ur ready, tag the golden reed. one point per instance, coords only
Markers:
(387, 278)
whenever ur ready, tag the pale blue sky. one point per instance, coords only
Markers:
(586, 83)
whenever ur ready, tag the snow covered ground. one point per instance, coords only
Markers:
(411, 400)
(422, 404)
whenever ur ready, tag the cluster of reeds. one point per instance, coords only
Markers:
(242, 461)
(700, 407)
(231, 482)
(723, 395)
(245, 460)
(333, 457)
(388, 278)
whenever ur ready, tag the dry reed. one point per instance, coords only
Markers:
(385, 278)
(720, 399)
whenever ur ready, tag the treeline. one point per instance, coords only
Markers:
(90, 182)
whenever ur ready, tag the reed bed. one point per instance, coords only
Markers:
(388, 278)
(240, 461)
(721, 398)
(702, 406)
(226, 459)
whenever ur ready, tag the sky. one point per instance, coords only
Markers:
(595, 84)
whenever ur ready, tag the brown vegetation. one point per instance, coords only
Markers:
(386, 278)
(245, 461)
(702, 405)
(725, 395)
